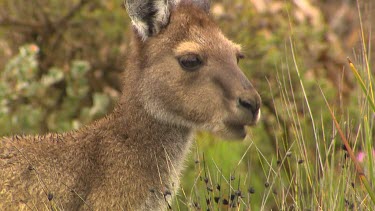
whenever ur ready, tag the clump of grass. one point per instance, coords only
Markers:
(347, 146)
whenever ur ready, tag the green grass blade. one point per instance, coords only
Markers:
(362, 84)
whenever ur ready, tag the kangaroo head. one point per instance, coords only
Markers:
(187, 70)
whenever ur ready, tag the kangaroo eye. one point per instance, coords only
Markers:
(190, 62)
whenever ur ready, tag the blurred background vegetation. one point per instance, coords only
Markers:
(60, 63)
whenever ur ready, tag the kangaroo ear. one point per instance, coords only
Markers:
(149, 16)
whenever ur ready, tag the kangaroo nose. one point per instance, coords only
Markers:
(250, 103)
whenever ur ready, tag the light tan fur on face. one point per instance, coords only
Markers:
(187, 47)
(237, 47)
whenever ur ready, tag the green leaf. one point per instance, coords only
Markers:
(54, 75)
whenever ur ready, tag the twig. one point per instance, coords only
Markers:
(71, 13)
(18, 23)
(44, 13)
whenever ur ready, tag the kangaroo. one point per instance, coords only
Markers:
(182, 76)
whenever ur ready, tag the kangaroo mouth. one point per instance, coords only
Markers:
(236, 130)
(235, 127)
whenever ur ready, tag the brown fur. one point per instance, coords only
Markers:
(132, 159)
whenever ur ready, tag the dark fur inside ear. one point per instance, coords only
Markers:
(148, 17)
